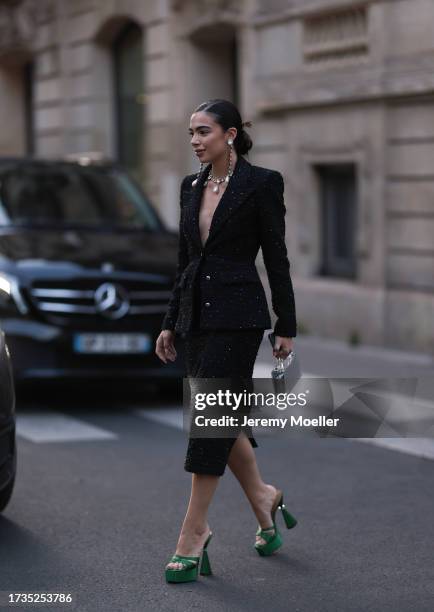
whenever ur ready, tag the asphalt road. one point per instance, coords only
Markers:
(101, 494)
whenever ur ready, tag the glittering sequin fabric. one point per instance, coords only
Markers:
(219, 354)
(250, 216)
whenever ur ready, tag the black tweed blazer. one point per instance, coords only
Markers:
(250, 215)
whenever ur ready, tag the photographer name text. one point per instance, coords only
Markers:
(294, 421)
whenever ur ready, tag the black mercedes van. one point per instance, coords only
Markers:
(86, 271)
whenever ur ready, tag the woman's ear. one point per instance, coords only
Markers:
(232, 133)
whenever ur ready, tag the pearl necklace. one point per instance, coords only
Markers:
(216, 180)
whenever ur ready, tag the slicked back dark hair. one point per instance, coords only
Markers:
(226, 114)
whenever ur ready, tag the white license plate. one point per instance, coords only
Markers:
(112, 343)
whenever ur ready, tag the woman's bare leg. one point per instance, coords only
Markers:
(195, 528)
(242, 462)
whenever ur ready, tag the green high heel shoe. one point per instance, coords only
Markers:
(273, 541)
(191, 566)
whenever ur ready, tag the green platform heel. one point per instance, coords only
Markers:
(273, 541)
(191, 565)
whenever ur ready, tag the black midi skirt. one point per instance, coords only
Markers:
(218, 354)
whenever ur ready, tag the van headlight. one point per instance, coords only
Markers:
(10, 294)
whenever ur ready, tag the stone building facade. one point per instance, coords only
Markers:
(341, 96)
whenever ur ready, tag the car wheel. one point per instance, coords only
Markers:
(6, 492)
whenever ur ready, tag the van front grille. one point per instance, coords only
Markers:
(101, 299)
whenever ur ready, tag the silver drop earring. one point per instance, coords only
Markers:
(194, 183)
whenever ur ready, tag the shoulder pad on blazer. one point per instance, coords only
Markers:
(262, 174)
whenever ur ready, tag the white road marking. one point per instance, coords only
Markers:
(421, 447)
(170, 416)
(55, 427)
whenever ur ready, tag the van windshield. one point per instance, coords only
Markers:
(44, 194)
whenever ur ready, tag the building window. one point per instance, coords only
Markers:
(337, 186)
(336, 35)
(28, 78)
(129, 110)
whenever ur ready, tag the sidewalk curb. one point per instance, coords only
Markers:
(365, 350)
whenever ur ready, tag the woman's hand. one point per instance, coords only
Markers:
(282, 347)
(164, 347)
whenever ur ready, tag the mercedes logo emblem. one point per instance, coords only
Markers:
(112, 301)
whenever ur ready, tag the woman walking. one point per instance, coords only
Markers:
(218, 305)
